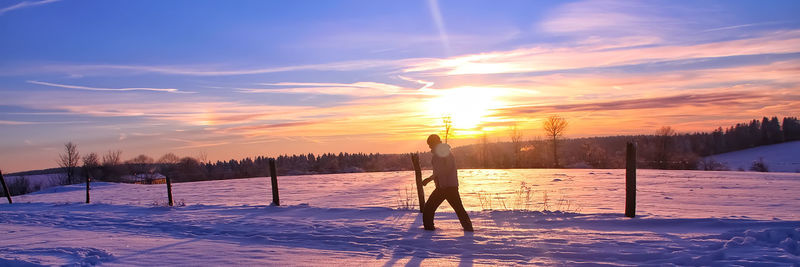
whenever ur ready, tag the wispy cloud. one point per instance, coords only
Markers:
(3, 122)
(200, 145)
(554, 58)
(201, 113)
(739, 26)
(644, 22)
(272, 126)
(352, 89)
(590, 96)
(201, 70)
(614, 85)
(524, 99)
(425, 84)
(25, 4)
(606, 18)
(668, 102)
(588, 52)
(7, 122)
(167, 90)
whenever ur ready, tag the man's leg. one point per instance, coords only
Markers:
(454, 199)
(436, 198)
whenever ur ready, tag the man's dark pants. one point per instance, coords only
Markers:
(451, 195)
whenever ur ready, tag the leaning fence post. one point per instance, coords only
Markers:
(273, 173)
(88, 180)
(630, 180)
(418, 175)
(5, 188)
(169, 190)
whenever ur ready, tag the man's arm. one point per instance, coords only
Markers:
(435, 167)
(427, 180)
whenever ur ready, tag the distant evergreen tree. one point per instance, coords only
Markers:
(770, 131)
(791, 129)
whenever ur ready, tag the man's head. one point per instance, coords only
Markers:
(434, 140)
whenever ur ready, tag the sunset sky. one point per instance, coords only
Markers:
(243, 78)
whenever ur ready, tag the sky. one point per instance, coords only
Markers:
(247, 78)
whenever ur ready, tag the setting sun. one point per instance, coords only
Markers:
(468, 107)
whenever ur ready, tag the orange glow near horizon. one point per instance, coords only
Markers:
(327, 86)
(468, 107)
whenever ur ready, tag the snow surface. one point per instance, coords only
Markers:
(783, 157)
(683, 218)
(37, 182)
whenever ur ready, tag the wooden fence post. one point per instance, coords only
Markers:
(273, 173)
(88, 180)
(418, 175)
(630, 181)
(169, 190)
(5, 188)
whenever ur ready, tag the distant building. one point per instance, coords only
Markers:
(145, 178)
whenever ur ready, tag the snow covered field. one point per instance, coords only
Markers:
(783, 157)
(550, 217)
(37, 182)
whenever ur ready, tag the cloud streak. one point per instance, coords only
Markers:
(263, 127)
(542, 58)
(608, 18)
(669, 102)
(204, 70)
(167, 90)
(7, 122)
(25, 4)
(590, 52)
(351, 89)
(4, 122)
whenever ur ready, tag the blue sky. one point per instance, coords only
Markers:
(245, 78)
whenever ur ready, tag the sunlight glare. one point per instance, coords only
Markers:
(468, 107)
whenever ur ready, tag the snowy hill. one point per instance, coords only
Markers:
(570, 217)
(783, 157)
(34, 182)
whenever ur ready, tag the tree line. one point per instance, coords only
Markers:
(665, 149)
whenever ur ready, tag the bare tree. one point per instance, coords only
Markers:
(91, 160)
(663, 151)
(516, 141)
(189, 169)
(485, 150)
(112, 168)
(69, 160)
(169, 158)
(594, 155)
(112, 158)
(554, 127)
(448, 127)
(167, 164)
(90, 164)
(202, 156)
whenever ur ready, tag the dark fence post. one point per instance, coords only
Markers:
(273, 173)
(630, 180)
(88, 180)
(418, 175)
(169, 190)
(5, 188)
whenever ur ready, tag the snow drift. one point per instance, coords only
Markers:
(685, 218)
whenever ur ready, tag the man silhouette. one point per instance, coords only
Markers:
(445, 177)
